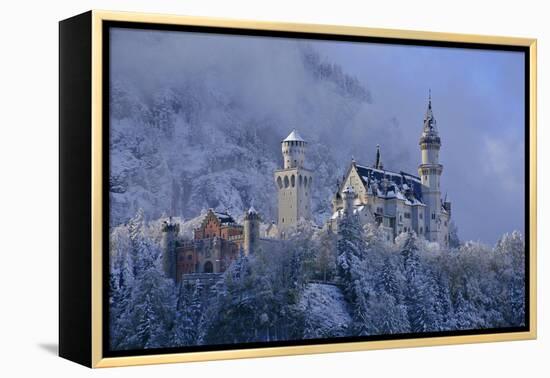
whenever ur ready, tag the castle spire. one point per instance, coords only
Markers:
(430, 124)
(430, 171)
(378, 163)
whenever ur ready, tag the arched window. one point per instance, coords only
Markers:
(208, 267)
(310, 181)
(293, 180)
(300, 180)
(286, 182)
(280, 182)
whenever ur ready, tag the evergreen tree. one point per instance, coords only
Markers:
(149, 313)
(325, 262)
(350, 248)
(189, 314)
(419, 293)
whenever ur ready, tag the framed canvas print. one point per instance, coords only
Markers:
(235, 189)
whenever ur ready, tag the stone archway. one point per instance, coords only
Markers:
(208, 267)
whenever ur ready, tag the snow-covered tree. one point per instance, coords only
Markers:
(325, 260)
(350, 247)
(189, 314)
(150, 307)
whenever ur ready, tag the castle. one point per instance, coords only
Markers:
(395, 201)
(398, 201)
(216, 243)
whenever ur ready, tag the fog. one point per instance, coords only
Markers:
(477, 98)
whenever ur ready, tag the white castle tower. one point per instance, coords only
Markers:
(430, 174)
(293, 184)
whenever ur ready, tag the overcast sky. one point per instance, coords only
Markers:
(478, 102)
(477, 97)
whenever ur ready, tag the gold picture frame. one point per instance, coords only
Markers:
(91, 24)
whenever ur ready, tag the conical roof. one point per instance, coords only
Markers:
(294, 136)
(430, 124)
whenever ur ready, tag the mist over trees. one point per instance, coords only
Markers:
(316, 284)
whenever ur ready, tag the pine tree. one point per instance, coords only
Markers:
(149, 313)
(120, 288)
(151, 309)
(419, 293)
(325, 262)
(350, 248)
(189, 316)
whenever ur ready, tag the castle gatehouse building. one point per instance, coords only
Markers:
(216, 243)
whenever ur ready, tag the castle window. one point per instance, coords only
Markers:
(445, 223)
(421, 230)
(433, 216)
(283, 220)
(280, 182)
(293, 180)
(407, 215)
(286, 182)
(420, 216)
(189, 257)
(300, 180)
(208, 267)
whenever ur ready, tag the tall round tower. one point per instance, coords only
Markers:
(170, 232)
(294, 184)
(430, 174)
(294, 150)
(251, 231)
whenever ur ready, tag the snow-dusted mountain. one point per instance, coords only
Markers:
(194, 143)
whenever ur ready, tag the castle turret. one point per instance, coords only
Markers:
(378, 162)
(348, 196)
(294, 184)
(170, 232)
(293, 148)
(430, 174)
(251, 231)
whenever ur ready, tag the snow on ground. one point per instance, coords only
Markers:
(326, 309)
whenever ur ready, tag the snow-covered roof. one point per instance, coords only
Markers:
(391, 185)
(252, 210)
(294, 136)
(356, 210)
(401, 179)
(349, 190)
(224, 217)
